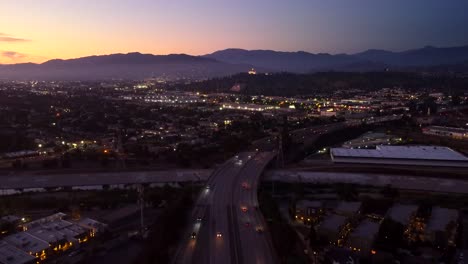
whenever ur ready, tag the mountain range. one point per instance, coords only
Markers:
(232, 61)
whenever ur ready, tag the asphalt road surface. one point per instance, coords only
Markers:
(226, 223)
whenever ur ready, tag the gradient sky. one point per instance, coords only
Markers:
(39, 30)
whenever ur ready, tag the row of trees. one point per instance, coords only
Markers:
(288, 84)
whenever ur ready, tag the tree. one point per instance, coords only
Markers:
(456, 99)
(390, 192)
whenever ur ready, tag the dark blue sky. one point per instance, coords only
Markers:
(39, 30)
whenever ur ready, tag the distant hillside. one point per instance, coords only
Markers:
(427, 56)
(122, 66)
(298, 62)
(232, 61)
(303, 62)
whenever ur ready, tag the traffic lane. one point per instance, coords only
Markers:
(250, 250)
(263, 253)
(217, 250)
(236, 212)
(202, 242)
(222, 198)
(218, 219)
(203, 202)
(246, 225)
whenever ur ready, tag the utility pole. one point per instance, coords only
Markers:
(280, 157)
(279, 160)
(141, 201)
(120, 152)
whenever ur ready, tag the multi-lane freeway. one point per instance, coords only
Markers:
(227, 226)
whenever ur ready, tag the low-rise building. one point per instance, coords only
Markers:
(52, 235)
(30, 244)
(451, 132)
(11, 255)
(348, 209)
(330, 228)
(307, 211)
(402, 213)
(441, 227)
(363, 236)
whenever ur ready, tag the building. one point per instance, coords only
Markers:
(401, 155)
(307, 211)
(451, 132)
(93, 225)
(348, 209)
(371, 140)
(363, 236)
(252, 71)
(401, 213)
(12, 255)
(441, 227)
(50, 235)
(330, 228)
(328, 112)
(28, 243)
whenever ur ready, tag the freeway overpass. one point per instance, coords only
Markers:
(34, 180)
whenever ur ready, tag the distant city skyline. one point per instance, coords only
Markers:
(37, 31)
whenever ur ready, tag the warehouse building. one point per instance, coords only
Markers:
(401, 155)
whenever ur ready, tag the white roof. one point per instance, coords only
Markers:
(91, 224)
(402, 152)
(307, 203)
(27, 242)
(366, 229)
(56, 230)
(401, 213)
(332, 222)
(348, 207)
(11, 218)
(12, 255)
(440, 218)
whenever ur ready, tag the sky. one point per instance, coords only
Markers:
(40, 30)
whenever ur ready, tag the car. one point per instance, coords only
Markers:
(244, 209)
(194, 235)
(218, 234)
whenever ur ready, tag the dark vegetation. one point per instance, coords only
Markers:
(288, 84)
(285, 240)
(167, 230)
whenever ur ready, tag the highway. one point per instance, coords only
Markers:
(228, 225)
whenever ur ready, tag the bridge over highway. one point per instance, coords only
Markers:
(34, 180)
